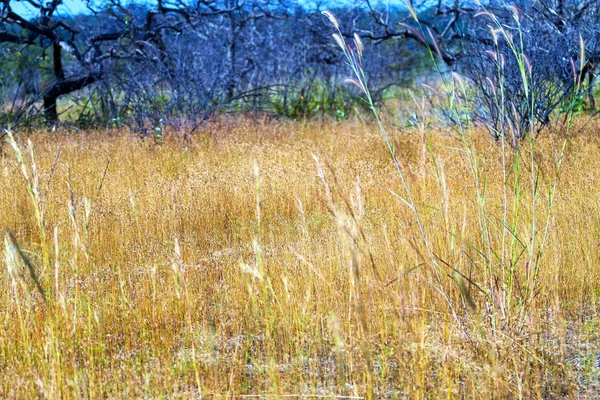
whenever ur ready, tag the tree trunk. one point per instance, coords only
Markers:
(50, 110)
(62, 88)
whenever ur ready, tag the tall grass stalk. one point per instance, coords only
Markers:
(501, 262)
(533, 245)
(502, 296)
(349, 229)
(354, 55)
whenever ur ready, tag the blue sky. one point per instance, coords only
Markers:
(73, 7)
(68, 7)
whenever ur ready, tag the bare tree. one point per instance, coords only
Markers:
(52, 36)
(121, 34)
(174, 63)
(462, 35)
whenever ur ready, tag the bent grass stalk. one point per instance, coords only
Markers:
(33, 188)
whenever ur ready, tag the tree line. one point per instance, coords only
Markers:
(176, 63)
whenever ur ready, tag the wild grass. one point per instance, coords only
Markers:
(232, 264)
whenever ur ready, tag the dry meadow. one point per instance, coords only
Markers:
(275, 259)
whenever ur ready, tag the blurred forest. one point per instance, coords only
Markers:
(174, 63)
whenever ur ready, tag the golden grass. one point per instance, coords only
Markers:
(191, 275)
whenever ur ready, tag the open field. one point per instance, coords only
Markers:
(224, 266)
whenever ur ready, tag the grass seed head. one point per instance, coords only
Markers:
(339, 41)
(359, 45)
(331, 18)
(356, 83)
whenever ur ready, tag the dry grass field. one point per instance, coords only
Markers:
(235, 265)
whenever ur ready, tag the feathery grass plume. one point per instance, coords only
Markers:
(515, 12)
(527, 64)
(500, 29)
(574, 71)
(411, 10)
(359, 45)
(485, 14)
(493, 55)
(432, 89)
(11, 260)
(582, 61)
(492, 86)
(509, 37)
(331, 18)
(339, 41)
(355, 83)
(247, 269)
(456, 78)
(435, 44)
(494, 33)
(414, 31)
